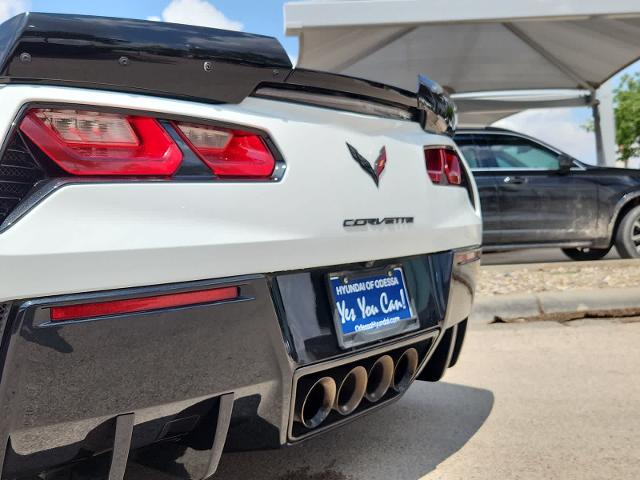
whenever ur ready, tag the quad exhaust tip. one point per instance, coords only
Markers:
(351, 390)
(405, 370)
(317, 403)
(329, 395)
(346, 387)
(380, 376)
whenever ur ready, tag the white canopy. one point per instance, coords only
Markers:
(484, 52)
(469, 45)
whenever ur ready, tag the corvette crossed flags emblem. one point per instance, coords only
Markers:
(373, 171)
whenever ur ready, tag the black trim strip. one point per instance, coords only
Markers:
(430, 106)
(335, 101)
(313, 79)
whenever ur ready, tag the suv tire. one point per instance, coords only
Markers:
(582, 254)
(628, 234)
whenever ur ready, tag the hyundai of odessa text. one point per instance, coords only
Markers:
(202, 248)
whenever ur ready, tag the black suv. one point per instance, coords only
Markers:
(534, 195)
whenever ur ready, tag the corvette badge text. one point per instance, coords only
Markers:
(375, 222)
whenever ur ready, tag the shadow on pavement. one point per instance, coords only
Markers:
(403, 441)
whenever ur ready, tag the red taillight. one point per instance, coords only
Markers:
(452, 168)
(98, 309)
(228, 152)
(435, 164)
(95, 143)
(443, 166)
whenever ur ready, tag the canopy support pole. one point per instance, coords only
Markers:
(601, 147)
(604, 123)
(597, 129)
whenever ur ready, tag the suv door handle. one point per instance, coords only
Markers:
(514, 180)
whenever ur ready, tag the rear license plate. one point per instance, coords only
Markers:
(369, 306)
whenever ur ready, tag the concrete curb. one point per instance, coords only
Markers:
(603, 264)
(557, 305)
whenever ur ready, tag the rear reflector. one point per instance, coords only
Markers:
(443, 166)
(467, 256)
(228, 152)
(115, 307)
(96, 143)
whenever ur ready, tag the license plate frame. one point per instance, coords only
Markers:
(348, 338)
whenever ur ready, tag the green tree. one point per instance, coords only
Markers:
(627, 115)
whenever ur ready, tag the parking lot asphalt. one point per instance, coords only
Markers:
(526, 401)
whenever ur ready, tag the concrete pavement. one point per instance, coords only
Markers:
(526, 401)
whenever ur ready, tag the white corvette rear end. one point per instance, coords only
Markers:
(257, 261)
(142, 233)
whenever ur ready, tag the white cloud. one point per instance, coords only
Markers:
(196, 12)
(9, 8)
(558, 128)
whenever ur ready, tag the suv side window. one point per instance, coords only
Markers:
(519, 153)
(476, 151)
(467, 147)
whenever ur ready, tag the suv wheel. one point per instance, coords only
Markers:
(628, 235)
(586, 253)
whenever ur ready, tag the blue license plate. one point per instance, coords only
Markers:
(370, 306)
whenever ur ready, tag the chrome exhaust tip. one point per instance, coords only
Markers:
(315, 406)
(405, 370)
(351, 390)
(380, 376)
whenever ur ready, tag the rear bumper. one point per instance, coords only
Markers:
(172, 381)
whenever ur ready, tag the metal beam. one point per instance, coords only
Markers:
(479, 104)
(548, 56)
(357, 13)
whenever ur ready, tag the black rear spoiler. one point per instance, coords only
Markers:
(195, 63)
(138, 56)
(430, 106)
